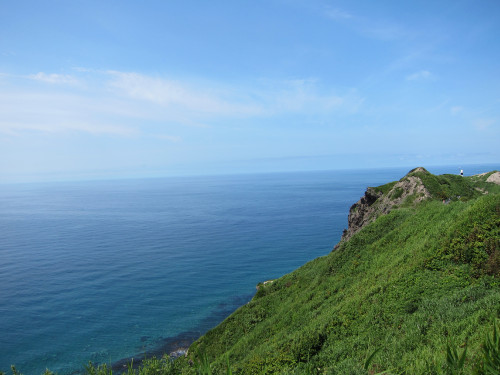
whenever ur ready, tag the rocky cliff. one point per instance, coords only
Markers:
(423, 271)
(381, 200)
(418, 185)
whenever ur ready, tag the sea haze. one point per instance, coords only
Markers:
(108, 270)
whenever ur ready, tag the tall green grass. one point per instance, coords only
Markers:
(414, 292)
(386, 287)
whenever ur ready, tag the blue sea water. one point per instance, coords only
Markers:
(103, 271)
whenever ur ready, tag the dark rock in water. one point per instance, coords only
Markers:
(177, 346)
(178, 353)
(172, 346)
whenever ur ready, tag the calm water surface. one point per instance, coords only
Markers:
(106, 270)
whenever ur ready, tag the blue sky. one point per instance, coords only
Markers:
(103, 89)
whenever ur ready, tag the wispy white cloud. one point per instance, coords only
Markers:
(420, 75)
(15, 128)
(384, 31)
(455, 110)
(304, 96)
(367, 26)
(53, 78)
(131, 104)
(337, 14)
(179, 95)
(218, 100)
(82, 69)
(53, 112)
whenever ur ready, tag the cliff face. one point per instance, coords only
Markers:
(380, 201)
(418, 185)
(361, 213)
(494, 178)
(383, 285)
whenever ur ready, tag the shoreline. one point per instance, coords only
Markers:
(175, 346)
(178, 345)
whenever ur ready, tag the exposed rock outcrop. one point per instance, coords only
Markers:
(494, 177)
(361, 213)
(381, 200)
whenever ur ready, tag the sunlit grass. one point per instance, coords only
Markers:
(415, 292)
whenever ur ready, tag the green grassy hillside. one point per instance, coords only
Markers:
(416, 280)
(414, 290)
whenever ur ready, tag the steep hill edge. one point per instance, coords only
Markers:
(420, 264)
(416, 186)
(381, 200)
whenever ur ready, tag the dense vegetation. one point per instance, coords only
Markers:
(417, 291)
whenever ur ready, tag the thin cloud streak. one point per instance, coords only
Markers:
(337, 14)
(94, 128)
(53, 78)
(218, 100)
(51, 112)
(384, 30)
(303, 96)
(420, 75)
(121, 103)
(170, 93)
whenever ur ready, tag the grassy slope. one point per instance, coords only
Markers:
(409, 283)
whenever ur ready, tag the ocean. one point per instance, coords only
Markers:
(105, 271)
